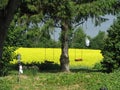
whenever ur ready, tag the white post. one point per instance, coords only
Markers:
(20, 71)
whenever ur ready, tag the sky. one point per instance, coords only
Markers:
(89, 28)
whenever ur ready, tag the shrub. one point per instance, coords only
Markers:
(48, 65)
(111, 50)
(8, 55)
(98, 66)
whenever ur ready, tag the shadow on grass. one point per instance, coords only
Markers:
(46, 66)
(86, 70)
(51, 67)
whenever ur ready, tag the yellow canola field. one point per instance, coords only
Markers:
(89, 57)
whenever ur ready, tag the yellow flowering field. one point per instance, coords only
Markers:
(89, 57)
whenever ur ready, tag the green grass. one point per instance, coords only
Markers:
(75, 80)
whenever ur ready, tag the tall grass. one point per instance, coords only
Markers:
(80, 80)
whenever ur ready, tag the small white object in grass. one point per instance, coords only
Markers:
(87, 42)
(20, 69)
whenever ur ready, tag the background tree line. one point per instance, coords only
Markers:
(34, 36)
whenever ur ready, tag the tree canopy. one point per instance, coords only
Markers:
(111, 50)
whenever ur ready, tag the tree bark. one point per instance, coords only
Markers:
(64, 58)
(6, 16)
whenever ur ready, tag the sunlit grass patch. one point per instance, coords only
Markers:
(89, 57)
(80, 80)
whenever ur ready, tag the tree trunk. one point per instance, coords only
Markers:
(64, 58)
(6, 16)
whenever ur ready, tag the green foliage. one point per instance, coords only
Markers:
(78, 10)
(98, 41)
(78, 39)
(59, 9)
(25, 30)
(96, 8)
(111, 48)
(4, 84)
(33, 35)
(48, 65)
(98, 66)
(3, 3)
(16, 35)
(30, 7)
(8, 55)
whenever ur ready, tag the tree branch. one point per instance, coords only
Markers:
(79, 23)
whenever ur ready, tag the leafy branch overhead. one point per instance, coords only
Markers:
(76, 12)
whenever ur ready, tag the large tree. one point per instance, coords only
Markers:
(65, 14)
(7, 10)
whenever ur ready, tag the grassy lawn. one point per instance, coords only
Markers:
(75, 80)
